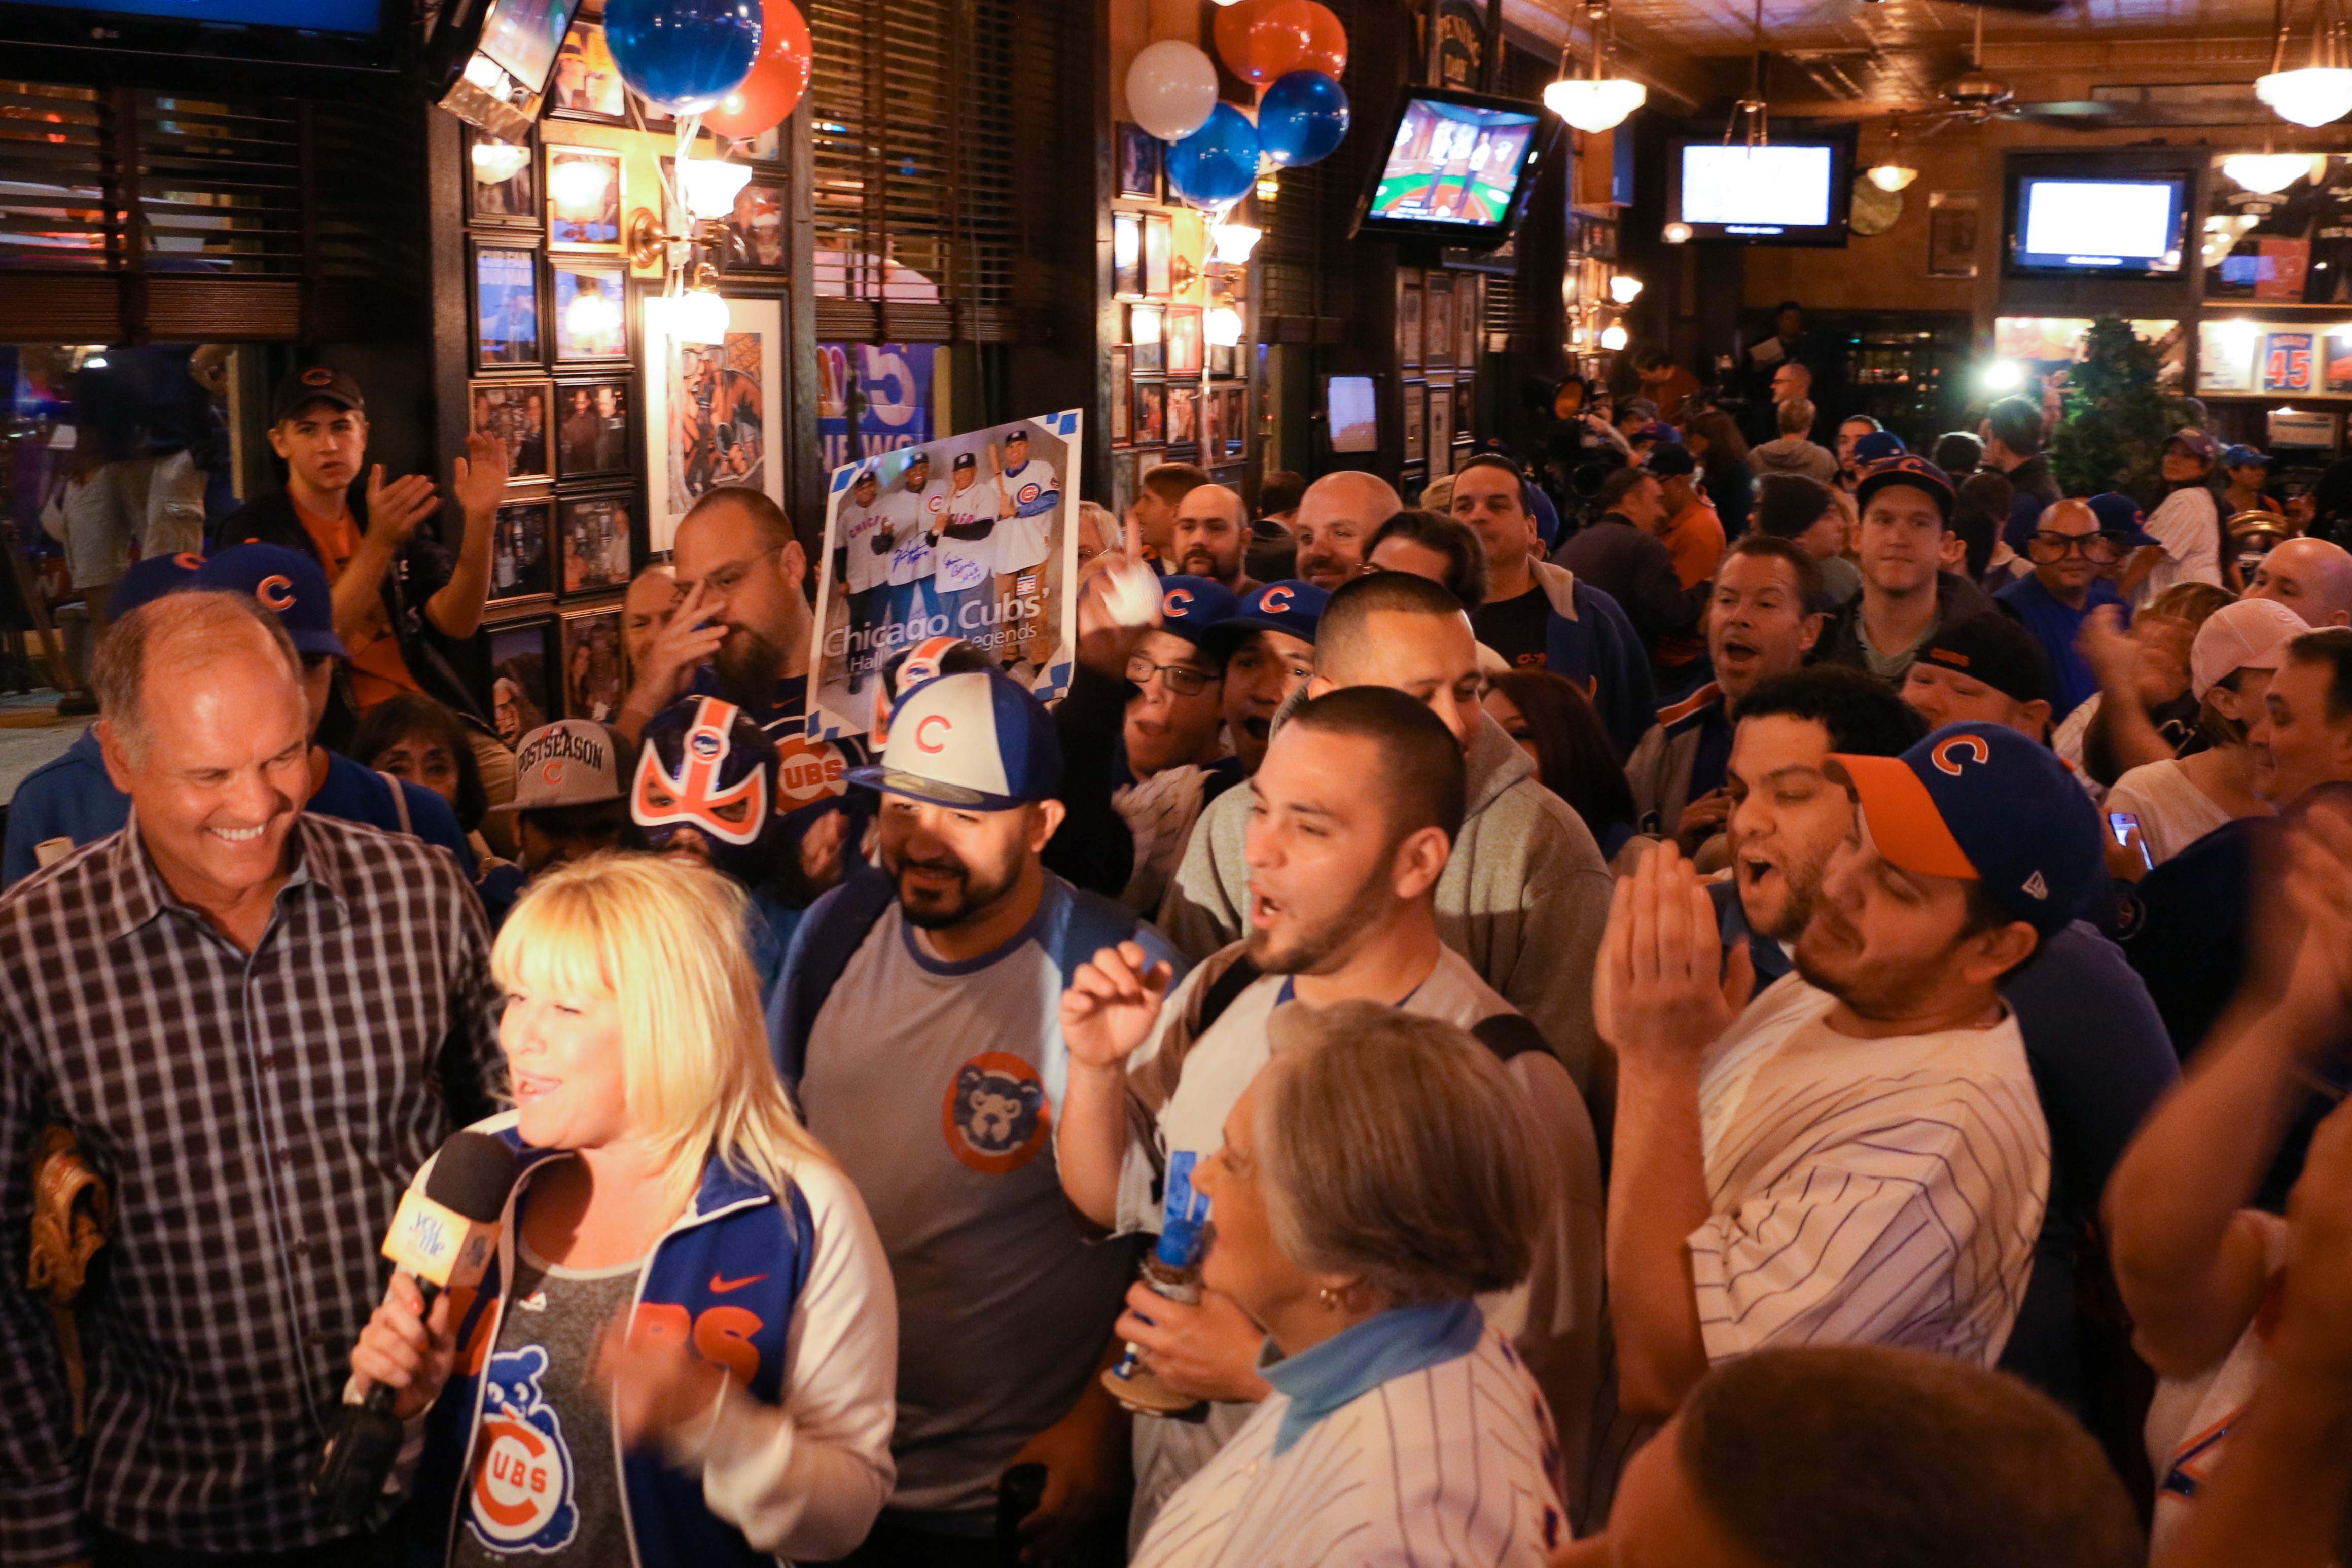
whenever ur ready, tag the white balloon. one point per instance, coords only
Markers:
(1171, 88)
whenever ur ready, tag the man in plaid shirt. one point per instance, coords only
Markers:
(260, 1023)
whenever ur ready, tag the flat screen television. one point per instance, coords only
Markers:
(2127, 226)
(1351, 414)
(289, 46)
(490, 61)
(1790, 192)
(1458, 169)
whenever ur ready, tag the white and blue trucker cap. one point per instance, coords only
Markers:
(978, 741)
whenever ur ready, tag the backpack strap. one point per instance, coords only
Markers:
(1090, 923)
(1237, 978)
(399, 801)
(1509, 1035)
(836, 927)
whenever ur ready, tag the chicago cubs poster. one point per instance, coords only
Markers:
(973, 536)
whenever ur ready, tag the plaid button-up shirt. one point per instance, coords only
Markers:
(256, 1118)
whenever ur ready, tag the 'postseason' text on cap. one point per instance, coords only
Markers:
(572, 761)
(979, 742)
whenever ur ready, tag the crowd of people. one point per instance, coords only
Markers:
(1792, 1014)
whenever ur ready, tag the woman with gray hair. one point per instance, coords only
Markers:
(1378, 1174)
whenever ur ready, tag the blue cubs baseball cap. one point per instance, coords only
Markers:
(1193, 607)
(2120, 515)
(150, 578)
(287, 582)
(977, 741)
(1656, 430)
(1286, 605)
(1981, 802)
(2244, 457)
(1878, 445)
(1917, 472)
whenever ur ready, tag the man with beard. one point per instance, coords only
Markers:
(1760, 623)
(1526, 894)
(739, 630)
(1211, 527)
(1859, 1155)
(1352, 819)
(2096, 1046)
(935, 984)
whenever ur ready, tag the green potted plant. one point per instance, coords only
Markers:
(2115, 419)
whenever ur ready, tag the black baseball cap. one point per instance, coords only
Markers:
(1990, 647)
(1669, 459)
(320, 383)
(965, 461)
(1917, 472)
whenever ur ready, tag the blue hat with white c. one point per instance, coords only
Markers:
(978, 741)
(285, 582)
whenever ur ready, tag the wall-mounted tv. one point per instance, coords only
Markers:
(490, 62)
(1458, 168)
(1790, 192)
(295, 47)
(2126, 226)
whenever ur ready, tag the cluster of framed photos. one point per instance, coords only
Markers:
(1438, 339)
(547, 666)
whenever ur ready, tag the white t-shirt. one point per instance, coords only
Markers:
(1022, 541)
(2187, 523)
(1554, 1319)
(1865, 1192)
(963, 564)
(2190, 1418)
(2173, 812)
(857, 526)
(909, 514)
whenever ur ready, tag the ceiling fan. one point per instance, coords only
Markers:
(1976, 96)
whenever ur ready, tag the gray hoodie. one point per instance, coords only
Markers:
(1524, 896)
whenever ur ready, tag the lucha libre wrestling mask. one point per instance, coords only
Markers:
(707, 769)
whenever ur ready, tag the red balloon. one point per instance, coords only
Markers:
(1261, 39)
(779, 75)
(1327, 50)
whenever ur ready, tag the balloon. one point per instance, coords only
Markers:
(1261, 39)
(1301, 119)
(683, 55)
(1215, 165)
(1171, 89)
(779, 74)
(1327, 52)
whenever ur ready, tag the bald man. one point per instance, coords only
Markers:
(2074, 566)
(2310, 576)
(1526, 894)
(1213, 528)
(1337, 519)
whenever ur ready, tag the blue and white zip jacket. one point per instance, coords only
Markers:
(791, 1293)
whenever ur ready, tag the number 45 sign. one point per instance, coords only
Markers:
(2290, 362)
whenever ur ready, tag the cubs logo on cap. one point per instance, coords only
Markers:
(1907, 469)
(572, 761)
(977, 741)
(1286, 605)
(922, 662)
(1979, 802)
(287, 583)
(1191, 607)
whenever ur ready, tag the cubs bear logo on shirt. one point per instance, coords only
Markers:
(996, 1116)
(521, 1497)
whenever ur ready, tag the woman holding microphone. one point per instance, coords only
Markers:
(1376, 1175)
(686, 1350)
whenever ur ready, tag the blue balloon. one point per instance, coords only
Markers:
(1217, 163)
(1302, 118)
(683, 55)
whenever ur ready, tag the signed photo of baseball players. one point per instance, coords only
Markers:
(973, 537)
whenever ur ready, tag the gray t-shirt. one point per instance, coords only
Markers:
(934, 1084)
(544, 1482)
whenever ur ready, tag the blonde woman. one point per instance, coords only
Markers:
(745, 1413)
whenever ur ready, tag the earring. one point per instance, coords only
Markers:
(1329, 1298)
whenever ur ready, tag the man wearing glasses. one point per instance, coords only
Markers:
(2075, 552)
(1171, 730)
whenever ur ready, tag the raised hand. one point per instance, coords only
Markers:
(479, 477)
(1661, 991)
(1112, 1003)
(678, 650)
(396, 510)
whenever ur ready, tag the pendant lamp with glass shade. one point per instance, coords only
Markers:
(1890, 173)
(2318, 93)
(1601, 100)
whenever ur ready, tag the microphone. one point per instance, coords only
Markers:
(445, 1236)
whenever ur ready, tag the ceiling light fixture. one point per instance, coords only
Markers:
(1624, 288)
(1891, 174)
(2318, 93)
(1601, 100)
(1676, 233)
(2266, 173)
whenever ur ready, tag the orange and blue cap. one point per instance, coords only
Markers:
(1979, 802)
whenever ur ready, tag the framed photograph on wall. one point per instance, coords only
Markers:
(1183, 339)
(516, 414)
(1441, 430)
(520, 677)
(501, 181)
(1437, 321)
(1146, 325)
(1233, 420)
(708, 411)
(1122, 402)
(754, 241)
(1408, 315)
(587, 84)
(592, 428)
(1465, 425)
(584, 199)
(1159, 253)
(592, 542)
(520, 550)
(1951, 234)
(504, 305)
(1138, 164)
(592, 664)
(1416, 422)
(588, 309)
(1466, 297)
(1150, 413)
(1127, 255)
(1183, 416)
(1123, 469)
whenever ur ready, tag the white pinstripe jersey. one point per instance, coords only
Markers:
(1865, 1192)
(1453, 1463)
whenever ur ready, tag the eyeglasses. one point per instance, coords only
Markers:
(721, 583)
(1180, 679)
(2048, 549)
